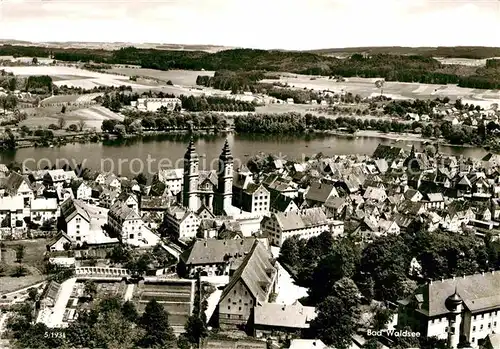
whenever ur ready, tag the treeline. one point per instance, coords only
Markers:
(135, 121)
(197, 104)
(391, 67)
(470, 52)
(236, 82)
(291, 123)
(39, 84)
(72, 90)
(411, 69)
(294, 123)
(298, 96)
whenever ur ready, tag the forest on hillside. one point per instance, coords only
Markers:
(404, 68)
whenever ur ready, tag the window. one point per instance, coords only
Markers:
(446, 329)
(229, 300)
(239, 309)
(482, 316)
(78, 238)
(473, 339)
(240, 316)
(228, 307)
(473, 328)
(432, 321)
(131, 236)
(481, 327)
(489, 325)
(495, 324)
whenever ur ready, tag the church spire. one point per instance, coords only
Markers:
(191, 150)
(226, 152)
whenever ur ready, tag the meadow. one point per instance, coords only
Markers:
(178, 77)
(398, 90)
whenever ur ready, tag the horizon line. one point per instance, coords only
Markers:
(4, 41)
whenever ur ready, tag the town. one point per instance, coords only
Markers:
(266, 257)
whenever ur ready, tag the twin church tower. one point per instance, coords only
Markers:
(206, 188)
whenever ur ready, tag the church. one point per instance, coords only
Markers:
(212, 197)
(210, 189)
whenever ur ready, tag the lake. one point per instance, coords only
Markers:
(132, 156)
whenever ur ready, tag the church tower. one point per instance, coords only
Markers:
(191, 176)
(224, 192)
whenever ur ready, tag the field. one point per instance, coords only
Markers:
(93, 116)
(178, 77)
(397, 90)
(75, 99)
(75, 77)
(33, 261)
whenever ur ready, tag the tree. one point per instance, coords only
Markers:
(113, 330)
(380, 84)
(141, 179)
(73, 128)
(34, 61)
(90, 289)
(63, 109)
(157, 328)
(372, 344)
(338, 315)
(61, 122)
(130, 312)
(81, 125)
(19, 116)
(20, 253)
(381, 317)
(341, 262)
(385, 263)
(289, 252)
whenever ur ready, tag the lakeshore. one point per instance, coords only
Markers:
(172, 148)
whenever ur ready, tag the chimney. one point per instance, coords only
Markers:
(482, 273)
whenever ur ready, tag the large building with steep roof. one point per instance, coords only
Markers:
(250, 285)
(304, 224)
(426, 310)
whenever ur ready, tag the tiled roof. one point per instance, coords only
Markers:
(320, 192)
(294, 220)
(256, 272)
(280, 315)
(210, 175)
(214, 251)
(478, 291)
(14, 181)
(71, 208)
(123, 212)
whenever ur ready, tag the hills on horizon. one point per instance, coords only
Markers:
(472, 52)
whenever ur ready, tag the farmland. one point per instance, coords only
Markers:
(178, 77)
(397, 90)
(93, 116)
(75, 77)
